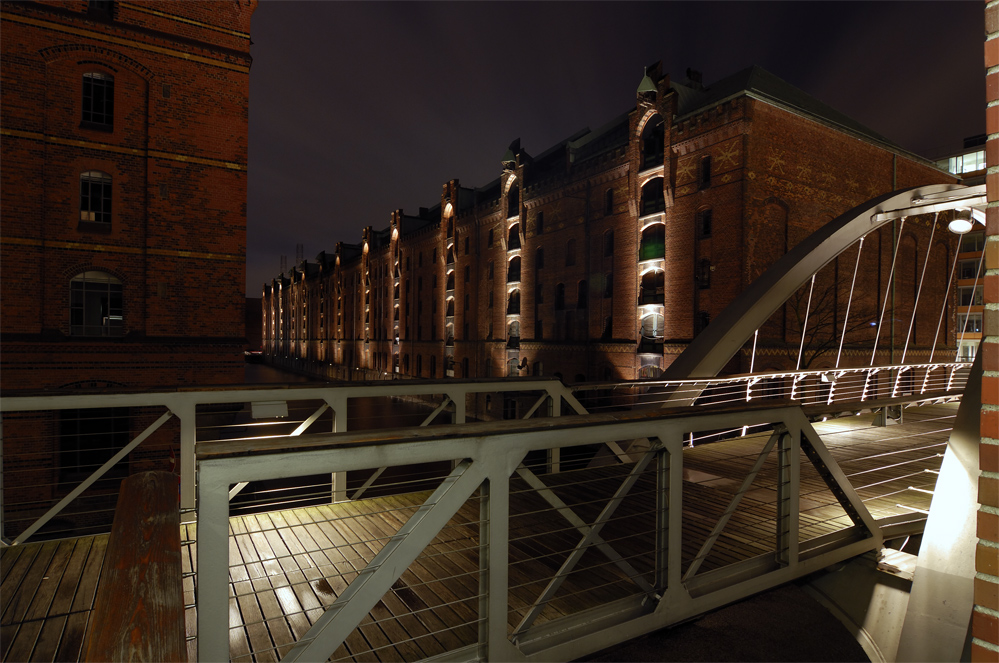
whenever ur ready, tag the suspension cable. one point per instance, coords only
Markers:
(974, 289)
(943, 307)
(849, 302)
(919, 289)
(884, 304)
(804, 326)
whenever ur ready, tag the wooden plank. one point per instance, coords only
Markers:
(85, 591)
(24, 642)
(7, 634)
(46, 591)
(62, 603)
(49, 639)
(20, 562)
(73, 633)
(22, 593)
(245, 607)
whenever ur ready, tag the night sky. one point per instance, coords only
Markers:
(357, 109)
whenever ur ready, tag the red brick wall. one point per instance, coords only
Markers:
(985, 619)
(177, 156)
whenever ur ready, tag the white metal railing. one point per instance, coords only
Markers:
(38, 468)
(32, 455)
(493, 497)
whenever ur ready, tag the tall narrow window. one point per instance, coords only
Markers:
(95, 197)
(513, 201)
(653, 197)
(608, 243)
(704, 223)
(489, 240)
(609, 202)
(704, 274)
(98, 100)
(539, 258)
(559, 296)
(705, 172)
(582, 295)
(513, 270)
(95, 305)
(539, 223)
(513, 306)
(513, 239)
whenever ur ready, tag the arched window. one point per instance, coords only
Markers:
(513, 239)
(513, 304)
(98, 100)
(450, 226)
(652, 290)
(449, 285)
(95, 197)
(513, 270)
(513, 367)
(653, 245)
(652, 326)
(653, 198)
(513, 201)
(450, 307)
(653, 143)
(582, 295)
(513, 330)
(95, 305)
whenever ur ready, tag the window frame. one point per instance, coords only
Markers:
(100, 119)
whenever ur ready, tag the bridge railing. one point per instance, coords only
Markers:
(530, 564)
(809, 387)
(64, 455)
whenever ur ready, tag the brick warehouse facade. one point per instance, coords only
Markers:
(600, 258)
(125, 131)
(124, 148)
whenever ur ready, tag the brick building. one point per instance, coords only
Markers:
(124, 155)
(601, 257)
(124, 152)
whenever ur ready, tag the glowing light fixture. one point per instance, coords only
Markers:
(962, 222)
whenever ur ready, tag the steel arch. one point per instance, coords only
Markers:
(710, 350)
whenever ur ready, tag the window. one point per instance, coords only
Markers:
(464, 368)
(489, 270)
(608, 243)
(653, 197)
(468, 273)
(703, 320)
(653, 143)
(433, 366)
(608, 285)
(466, 246)
(513, 270)
(570, 253)
(704, 274)
(539, 294)
(705, 172)
(489, 239)
(95, 197)
(100, 9)
(970, 295)
(513, 306)
(539, 223)
(513, 239)
(704, 223)
(609, 202)
(513, 202)
(490, 299)
(652, 289)
(582, 295)
(435, 257)
(967, 269)
(653, 245)
(608, 332)
(95, 305)
(652, 326)
(98, 100)
(539, 259)
(559, 296)
(539, 332)
(969, 323)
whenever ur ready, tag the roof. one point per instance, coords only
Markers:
(760, 84)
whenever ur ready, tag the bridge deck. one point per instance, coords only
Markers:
(286, 566)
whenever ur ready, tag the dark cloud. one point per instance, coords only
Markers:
(357, 109)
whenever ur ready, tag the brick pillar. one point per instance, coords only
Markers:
(985, 619)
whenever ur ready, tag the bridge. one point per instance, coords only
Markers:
(314, 528)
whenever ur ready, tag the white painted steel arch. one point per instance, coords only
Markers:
(708, 353)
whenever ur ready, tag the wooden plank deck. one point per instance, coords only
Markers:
(287, 566)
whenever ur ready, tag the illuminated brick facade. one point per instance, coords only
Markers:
(124, 149)
(600, 258)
